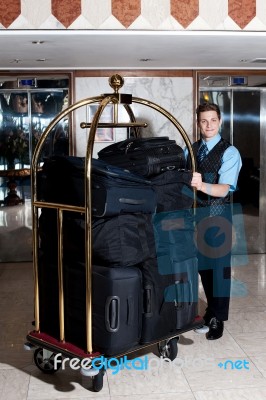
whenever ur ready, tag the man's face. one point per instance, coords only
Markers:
(209, 124)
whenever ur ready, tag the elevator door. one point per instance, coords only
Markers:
(244, 126)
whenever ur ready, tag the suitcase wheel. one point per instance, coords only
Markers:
(97, 381)
(44, 360)
(168, 348)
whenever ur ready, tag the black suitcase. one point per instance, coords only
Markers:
(177, 254)
(114, 190)
(48, 296)
(184, 292)
(61, 180)
(116, 307)
(170, 300)
(170, 280)
(145, 156)
(117, 191)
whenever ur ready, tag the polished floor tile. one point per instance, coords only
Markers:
(232, 367)
(160, 378)
(232, 394)
(223, 373)
(64, 384)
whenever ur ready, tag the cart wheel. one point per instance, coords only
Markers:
(168, 348)
(44, 360)
(97, 381)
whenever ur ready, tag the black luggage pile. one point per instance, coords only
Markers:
(144, 268)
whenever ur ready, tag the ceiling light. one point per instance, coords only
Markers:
(145, 59)
(38, 42)
(41, 59)
(16, 60)
(258, 60)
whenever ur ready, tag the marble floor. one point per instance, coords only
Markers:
(200, 371)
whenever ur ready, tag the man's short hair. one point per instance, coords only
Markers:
(208, 107)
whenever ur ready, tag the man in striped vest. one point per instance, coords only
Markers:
(218, 165)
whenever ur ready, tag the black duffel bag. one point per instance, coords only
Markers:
(173, 190)
(124, 240)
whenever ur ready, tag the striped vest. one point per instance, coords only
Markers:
(209, 168)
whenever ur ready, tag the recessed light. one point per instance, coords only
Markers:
(38, 42)
(41, 59)
(16, 60)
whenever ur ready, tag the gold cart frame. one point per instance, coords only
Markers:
(116, 98)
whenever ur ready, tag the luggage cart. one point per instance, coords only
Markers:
(49, 349)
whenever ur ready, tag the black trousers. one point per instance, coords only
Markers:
(214, 241)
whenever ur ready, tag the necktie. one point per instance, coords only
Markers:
(202, 152)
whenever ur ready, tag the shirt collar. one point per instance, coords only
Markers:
(211, 143)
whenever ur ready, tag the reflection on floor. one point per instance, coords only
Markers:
(16, 227)
(200, 373)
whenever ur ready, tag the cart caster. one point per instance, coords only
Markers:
(168, 348)
(29, 346)
(44, 360)
(96, 376)
(97, 381)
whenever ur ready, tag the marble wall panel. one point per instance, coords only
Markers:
(173, 94)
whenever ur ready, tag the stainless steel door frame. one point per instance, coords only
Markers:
(262, 197)
(246, 107)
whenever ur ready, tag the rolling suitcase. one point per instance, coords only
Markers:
(48, 295)
(176, 251)
(170, 281)
(169, 300)
(116, 305)
(145, 156)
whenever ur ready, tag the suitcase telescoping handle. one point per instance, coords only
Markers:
(147, 300)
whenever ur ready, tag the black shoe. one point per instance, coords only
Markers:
(216, 329)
